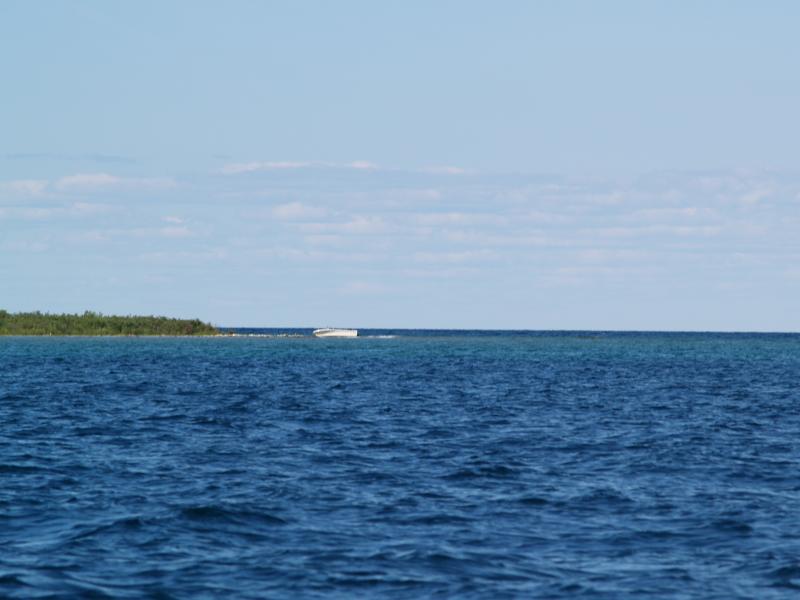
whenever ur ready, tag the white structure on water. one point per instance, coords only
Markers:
(335, 332)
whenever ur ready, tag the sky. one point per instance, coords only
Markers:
(423, 164)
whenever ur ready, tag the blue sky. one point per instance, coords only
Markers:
(545, 165)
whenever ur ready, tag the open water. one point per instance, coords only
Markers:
(430, 464)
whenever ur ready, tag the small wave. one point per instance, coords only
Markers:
(495, 471)
(165, 417)
(12, 579)
(91, 430)
(130, 523)
(533, 501)
(787, 576)
(437, 520)
(603, 496)
(438, 433)
(20, 469)
(732, 526)
(211, 513)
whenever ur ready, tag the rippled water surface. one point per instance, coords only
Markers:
(427, 464)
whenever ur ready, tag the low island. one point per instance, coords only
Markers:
(91, 323)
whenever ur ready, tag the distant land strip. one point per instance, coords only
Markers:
(92, 323)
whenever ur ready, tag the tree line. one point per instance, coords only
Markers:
(92, 323)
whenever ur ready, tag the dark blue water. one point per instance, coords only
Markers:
(479, 465)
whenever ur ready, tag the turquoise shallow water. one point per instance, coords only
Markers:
(448, 464)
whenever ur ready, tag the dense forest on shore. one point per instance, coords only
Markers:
(91, 323)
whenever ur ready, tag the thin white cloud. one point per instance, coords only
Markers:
(460, 218)
(606, 199)
(88, 208)
(363, 288)
(114, 233)
(533, 239)
(297, 211)
(358, 225)
(87, 180)
(455, 257)
(367, 225)
(544, 218)
(254, 166)
(362, 165)
(421, 194)
(324, 240)
(172, 219)
(755, 196)
(37, 213)
(25, 246)
(325, 256)
(662, 215)
(444, 170)
(92, 236)
(249, 167)
(174, 232)
(92, 181)
(603, 255)
(25, 187)
(440, 273)
(681, 231)
(185, 256)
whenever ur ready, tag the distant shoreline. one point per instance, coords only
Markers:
(91, 324)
